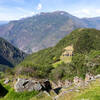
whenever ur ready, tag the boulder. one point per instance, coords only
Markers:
(54, 85)
(46, 85)
(30, 85)
(6, 81)
(60, 84)
(97, 76)
(78, 81)
(27, 85)
(67, 83)
(89, 77)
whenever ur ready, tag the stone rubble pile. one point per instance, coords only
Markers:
(45, 85)
(30, 85)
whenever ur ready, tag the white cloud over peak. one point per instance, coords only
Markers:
(39, 7)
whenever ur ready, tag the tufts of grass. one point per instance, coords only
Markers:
(12, 95)
(92, 92)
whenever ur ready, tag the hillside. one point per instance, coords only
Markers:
(9, 55)
(43, 30)
(91, 91)
(48, 62)
(50, 75)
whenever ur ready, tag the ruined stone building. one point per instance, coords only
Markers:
(68, 51)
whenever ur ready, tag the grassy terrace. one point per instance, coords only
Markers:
(92, 92)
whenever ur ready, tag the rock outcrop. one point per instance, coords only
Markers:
(45, 85)
(6, 81)
(27, 85)
(97, 76)
(89, 77)
(78, 81)
(31, 85)
(67, 83)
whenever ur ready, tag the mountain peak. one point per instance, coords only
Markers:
(43, 30)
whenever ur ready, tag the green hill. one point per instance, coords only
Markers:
(82, 46)
(9, 55)
(86, 45)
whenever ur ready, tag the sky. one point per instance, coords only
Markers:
(17, 9)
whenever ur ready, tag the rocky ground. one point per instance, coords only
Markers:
(55, 91)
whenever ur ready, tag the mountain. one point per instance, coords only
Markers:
(3, 22)
(92, 22)
(75, 55)
(9, 55)
(40, 31)
(43, 30)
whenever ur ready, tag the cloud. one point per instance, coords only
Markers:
(19, 1)
(39, 7)
(82, 13)
(23, 10)
(86, 12)
(8, 14)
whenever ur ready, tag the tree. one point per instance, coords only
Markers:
(84, 44)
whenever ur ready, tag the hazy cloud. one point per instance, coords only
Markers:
(39, 7)
(20, 13)
(87, 12)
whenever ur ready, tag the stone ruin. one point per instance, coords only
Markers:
(67, 83)
(89, 77)
(46, 85)
(78, 81)
(68, 51)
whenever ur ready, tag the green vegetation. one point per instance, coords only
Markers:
(66, 59)
(47, 62)
(87, 41)
(62, 72)
(12, 95)
(92, 92)
(42, 96)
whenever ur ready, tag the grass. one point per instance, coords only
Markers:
(63, 59)
(42, 96)
(57, 64)
(12, 95)
(66, 59)
(92, 92)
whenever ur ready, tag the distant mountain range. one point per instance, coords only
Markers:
(9, 55)
(3, 22)
(43, 30)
